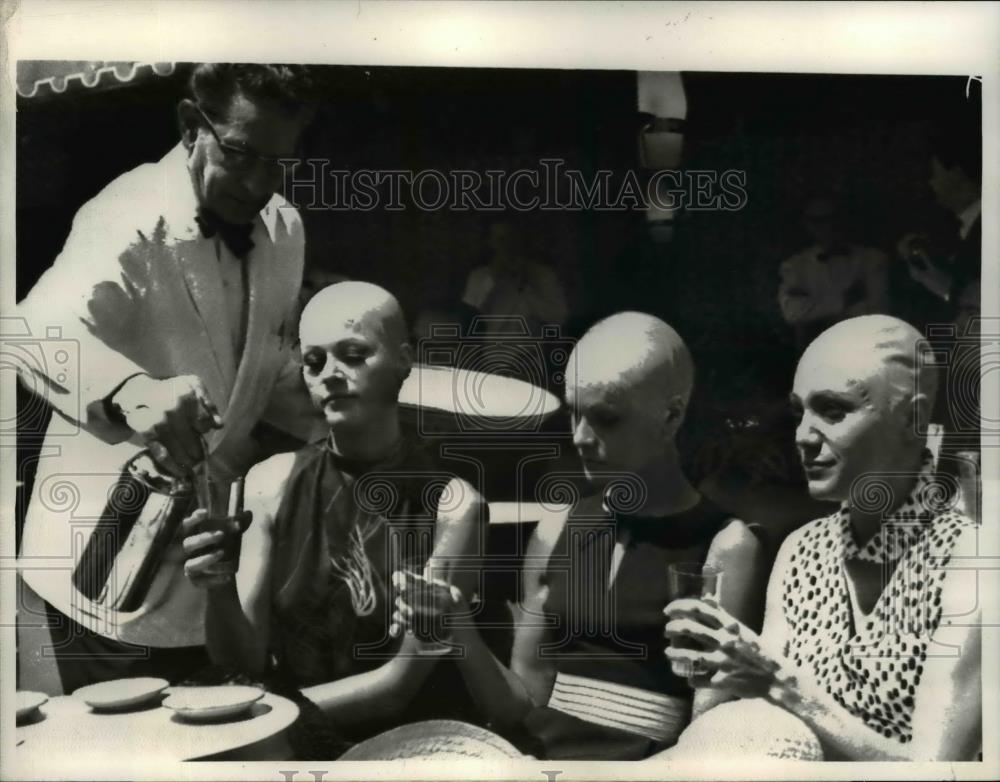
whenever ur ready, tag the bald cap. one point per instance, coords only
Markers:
(870, 349)
(637, 352)
(354, 302)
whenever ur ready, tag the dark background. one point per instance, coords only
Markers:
(865, 136)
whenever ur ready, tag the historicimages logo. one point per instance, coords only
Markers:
(962, 361)
(49, 367)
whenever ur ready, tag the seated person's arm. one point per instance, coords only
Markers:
(739, 554)
(505, 695)
(388, 688)
(947, 714)
(237, 612)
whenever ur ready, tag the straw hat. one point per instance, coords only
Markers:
(745, 729)
(433, 739)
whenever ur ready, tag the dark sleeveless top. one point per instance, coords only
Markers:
(614, 635)
(340, 531)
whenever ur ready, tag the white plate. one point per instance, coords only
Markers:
(211, 703)
(121, 693)
(28, 703)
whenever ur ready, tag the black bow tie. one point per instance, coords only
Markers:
(235, 237)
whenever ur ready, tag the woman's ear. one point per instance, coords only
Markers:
(920, 412)
(188, 120)
(673, 417)
(405, 360)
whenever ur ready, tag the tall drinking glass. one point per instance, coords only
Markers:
(691, 579)
(431, 634)
(220, 519)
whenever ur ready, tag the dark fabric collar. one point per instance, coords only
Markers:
(235, 237)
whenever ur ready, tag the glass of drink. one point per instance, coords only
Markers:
(691, 579)
(222, 519)
(424, 624)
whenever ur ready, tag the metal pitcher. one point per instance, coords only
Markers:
(145, 507)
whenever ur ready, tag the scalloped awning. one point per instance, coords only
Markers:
(44, 78)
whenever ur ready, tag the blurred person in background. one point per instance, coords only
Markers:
(514, 286)
(954, 176)
(834, 277)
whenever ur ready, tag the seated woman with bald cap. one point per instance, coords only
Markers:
(587, 677)
(309, 609)
(871, 644)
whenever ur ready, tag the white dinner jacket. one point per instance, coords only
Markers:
(137, 288)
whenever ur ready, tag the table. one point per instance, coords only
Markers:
(67, 725)
(484, 401)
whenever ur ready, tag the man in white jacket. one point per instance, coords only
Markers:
(177, 289)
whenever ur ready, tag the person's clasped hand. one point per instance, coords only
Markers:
(422, 604)
(729, 652)
(205, 547)
(170, 416)
(913, 248)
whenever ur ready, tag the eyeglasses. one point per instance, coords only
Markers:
(241, 159)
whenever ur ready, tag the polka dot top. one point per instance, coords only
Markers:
(872, 664)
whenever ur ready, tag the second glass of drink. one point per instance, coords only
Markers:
(691, 579)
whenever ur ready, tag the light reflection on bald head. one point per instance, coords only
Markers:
(353, 304)
(637, 354)
(629, 380)
(876, 353)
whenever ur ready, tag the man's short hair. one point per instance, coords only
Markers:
(214, 84)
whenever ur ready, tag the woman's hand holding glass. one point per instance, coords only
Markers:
(212, 537)
(423, 604)
(729, 656)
